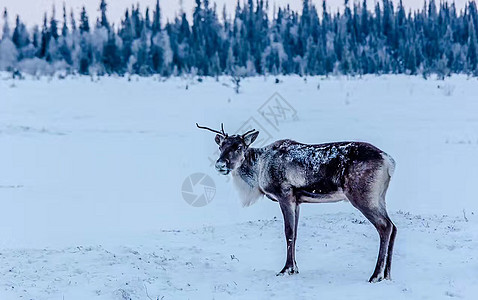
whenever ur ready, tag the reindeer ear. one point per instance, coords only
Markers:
(250, 138)
(219, 139)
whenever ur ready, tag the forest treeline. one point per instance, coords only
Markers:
(251, 41)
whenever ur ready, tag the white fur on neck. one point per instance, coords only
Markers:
(248, 194)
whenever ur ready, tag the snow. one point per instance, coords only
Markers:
(92, 169)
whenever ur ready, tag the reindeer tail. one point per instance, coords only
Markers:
(390, 163)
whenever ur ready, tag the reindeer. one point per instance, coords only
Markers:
(292, 173)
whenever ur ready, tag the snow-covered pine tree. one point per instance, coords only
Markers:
(8, 51)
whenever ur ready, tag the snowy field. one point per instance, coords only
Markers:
(91, 173)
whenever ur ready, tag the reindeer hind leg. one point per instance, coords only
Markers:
(385, 229)
(365, 188)
(388, 265)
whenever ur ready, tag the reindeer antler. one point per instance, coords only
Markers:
(250, 131)
(216, 131)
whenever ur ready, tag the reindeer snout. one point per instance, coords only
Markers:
(222, 167)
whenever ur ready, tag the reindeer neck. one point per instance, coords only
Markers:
(249, 168)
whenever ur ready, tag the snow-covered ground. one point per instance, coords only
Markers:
(91, 175)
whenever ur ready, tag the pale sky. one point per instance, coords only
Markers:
(31, 11)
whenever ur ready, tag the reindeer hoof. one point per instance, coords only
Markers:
(376, 278)
(288, 271)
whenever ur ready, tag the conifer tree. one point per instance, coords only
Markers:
(104, 20)
(84, 22)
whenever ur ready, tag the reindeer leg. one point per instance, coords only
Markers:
(368, 196)
(290, 211)
(388, 265)
(297, 210)
(372, 208)
(379, 218)
(385, 228)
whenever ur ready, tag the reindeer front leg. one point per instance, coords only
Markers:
(290, 211)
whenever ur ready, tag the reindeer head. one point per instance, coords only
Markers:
(233, 148)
